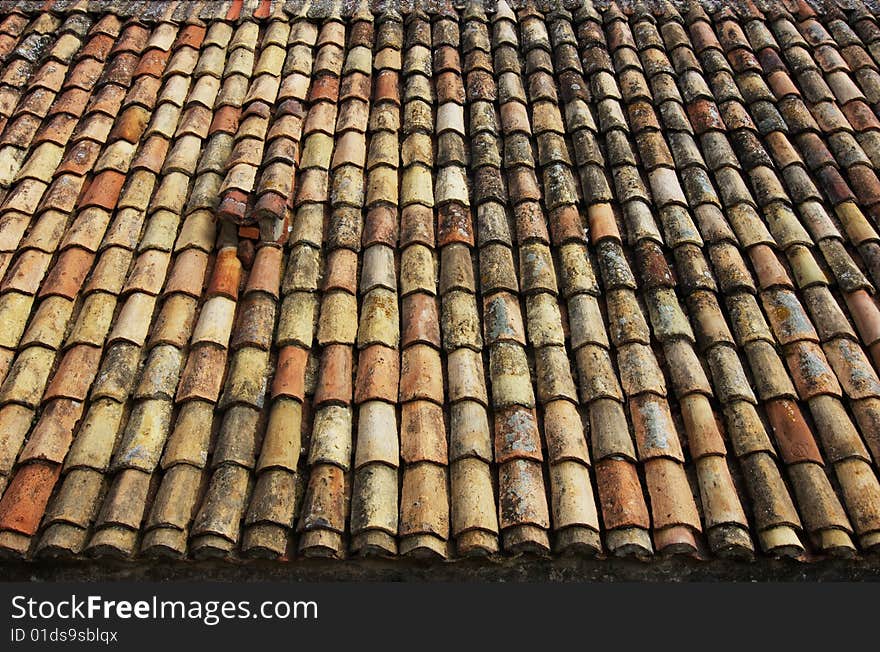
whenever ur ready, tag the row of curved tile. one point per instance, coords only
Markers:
(280, 281)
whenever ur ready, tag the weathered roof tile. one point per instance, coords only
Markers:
(404, 243)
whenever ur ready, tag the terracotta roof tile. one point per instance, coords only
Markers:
(407, 315)
(26, 497)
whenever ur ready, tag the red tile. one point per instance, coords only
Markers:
(68, 274)
(602, 223)
(381, 226)
(27, 272)
(770, 61)
(516, 435)
(335, 376)
(188, 273)
(566, 224)
(793, 436)
(419, 320)
(652, 266)
(810, 371)
(21, 130)
(72, 101)
(233, 206)
(769, 270)
(246, 251)
(620, 494)
(234, 10)
(815, 152)
(26, 497)
(226, 276)
(190, 36)
(834, 185)
(80, 158)
(703, 37)
(355, 85)
(704, 116)
(454, 224)
(290, 373)
(446, 58)
(417, 225)
(130, 125)
(860, 116)
(271, 205)
(324, 88)
(109, 97)
(265, 274)
(75, 373)
(449, 88)
(109, 24)
(57, 129)
(225, 120)
(341, 271)
(531, 224)
(422, 433)
(262, 11)
(121, 69)
(152, 63)
(378, 374)
(202, 377)
(421, 374)
(104, 190)
(866, 184)
(52, 436)
(151, 155)
(63, 193)
(782, 85)
(865, 314)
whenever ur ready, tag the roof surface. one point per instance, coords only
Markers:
(285, 279)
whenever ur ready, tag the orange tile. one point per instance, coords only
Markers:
(290, 373)
(334, 376)
(378, 373)
(24, 502)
